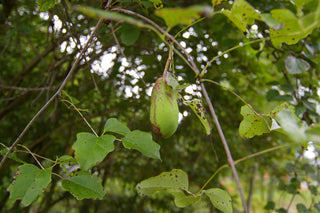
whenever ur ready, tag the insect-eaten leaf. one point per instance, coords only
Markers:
(242, 14)
(174, 182)
(91, 150)
(157, 4)
(252, 124)
(29, 182)
(84, 186)
(198, 108)
(142, 141)
(114, 125)
(220, 199)
(175, 179)
(294, 29)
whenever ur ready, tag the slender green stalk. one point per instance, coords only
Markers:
(245, 158)
(229, 50)
(85, 120)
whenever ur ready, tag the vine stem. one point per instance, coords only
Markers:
(204, 91)
(226, 147)
(57, 93)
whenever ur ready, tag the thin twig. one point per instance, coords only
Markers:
(63, 84)
(167, 64)
(85, 120)
(226, 147)
(34, 157)
(170, 37)
(27, 89)
(196, 70)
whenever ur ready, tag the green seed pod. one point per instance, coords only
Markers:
(164, 112)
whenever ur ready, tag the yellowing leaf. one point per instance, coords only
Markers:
(175, 179)
(220, 199)
(242, 14)
(294, 29)
(252, 124)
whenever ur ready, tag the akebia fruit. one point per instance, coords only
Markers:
(164, 112)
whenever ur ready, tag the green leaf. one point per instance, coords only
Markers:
(216, 2)
(198, 108)
(296, 65)
(279, 108)
(174, 182)
(157, 4)
(129, 34)
(97, 13)
(252, 124)
(294, 29)
(242, 14)
(45, 5)
(91, 150)
(29, 182)
(220, 199)
(12, 155)
(175, 179)
(181, 200)
(142, 141)
(271, 22)
(289, 123)
(185, 16)
(114, 125)
(66, 159)
(84, 186)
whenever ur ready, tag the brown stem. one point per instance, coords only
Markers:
(167, 64)
(65, 81)
(226, 147)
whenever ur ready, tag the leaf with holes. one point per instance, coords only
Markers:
(242, 14)
(142, 141)
(91, 150)
(220, 199)
(294, 29)
(29, 182)
(216, 2)
(252, 124)
(84, 186)
(175, 179)
(198, 108)
(114, 125)
(157, 4)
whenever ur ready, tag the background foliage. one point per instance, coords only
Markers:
(38, 46)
